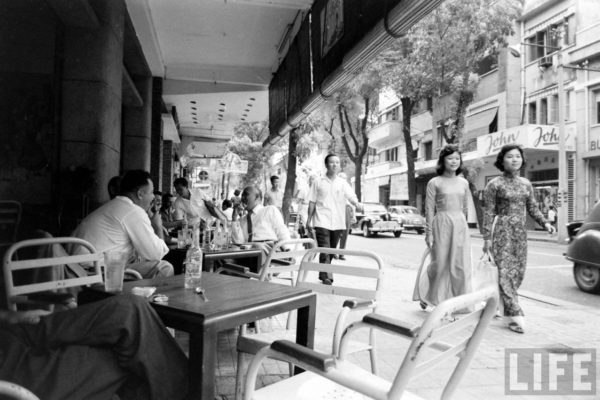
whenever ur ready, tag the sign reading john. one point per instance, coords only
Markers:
(332, 24)
(540, 137)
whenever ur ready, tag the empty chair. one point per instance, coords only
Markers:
(67, 271)
(356, 287)
(329, 376)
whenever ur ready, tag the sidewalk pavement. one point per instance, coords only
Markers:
(550, 324)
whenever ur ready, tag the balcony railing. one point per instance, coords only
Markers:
(383, 167)
(385, 134)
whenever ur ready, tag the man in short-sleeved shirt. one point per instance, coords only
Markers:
(123, 224)
(274, 196)
(327, 209)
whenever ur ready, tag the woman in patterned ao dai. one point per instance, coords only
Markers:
(447, 234)
(508, 197)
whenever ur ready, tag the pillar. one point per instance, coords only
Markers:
(167, 168)
(137, 129)
(156, 152)
(91, 103)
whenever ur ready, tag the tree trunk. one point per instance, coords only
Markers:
(290, 182)
(407, 107)
(358, 162)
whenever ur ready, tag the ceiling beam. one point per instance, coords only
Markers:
(288, 4)
(141, 16)
(219, 74)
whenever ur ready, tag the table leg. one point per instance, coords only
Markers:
(202, 364)
(305, 326)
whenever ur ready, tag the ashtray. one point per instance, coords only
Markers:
(145, 291)
(245, 246)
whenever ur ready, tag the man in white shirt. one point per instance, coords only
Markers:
(327, 210)
(274, 197)
(193, 205)
(261, 223)
(123, 224)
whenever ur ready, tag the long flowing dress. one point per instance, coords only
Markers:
(508, 198)
(449, 273)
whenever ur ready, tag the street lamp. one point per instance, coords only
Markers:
(561, 225)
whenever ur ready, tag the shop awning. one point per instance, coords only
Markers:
(170, 129)
(479, 123)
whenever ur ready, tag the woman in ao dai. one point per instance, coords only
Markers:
(447, 233)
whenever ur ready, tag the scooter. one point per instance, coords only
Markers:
(584, 251)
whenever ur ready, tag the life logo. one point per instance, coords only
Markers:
(560, 371)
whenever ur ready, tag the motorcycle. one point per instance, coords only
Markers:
(584, 251)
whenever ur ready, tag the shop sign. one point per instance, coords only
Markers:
(542, 137)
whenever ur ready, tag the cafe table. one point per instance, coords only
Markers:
(251, 257)
(228, 302)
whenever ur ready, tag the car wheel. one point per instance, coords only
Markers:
(365, 230)
(587, 278)
(397, 233)
(420, 231)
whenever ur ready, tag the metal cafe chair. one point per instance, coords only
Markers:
(330, 376)
(12, 391)
(356, 286)
(65, 271)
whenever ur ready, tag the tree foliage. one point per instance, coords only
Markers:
(439, 57)
(349, 115)
(247, 143)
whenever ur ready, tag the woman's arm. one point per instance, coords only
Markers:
(534, 211)
(489, 213)
(429, 211)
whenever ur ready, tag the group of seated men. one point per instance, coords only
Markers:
(111, 346)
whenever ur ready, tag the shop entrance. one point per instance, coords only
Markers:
(384, 195)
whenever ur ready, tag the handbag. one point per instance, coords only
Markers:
(485, 272)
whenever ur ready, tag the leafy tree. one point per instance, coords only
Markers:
(247, 143)
(439, 58)
(350, 114)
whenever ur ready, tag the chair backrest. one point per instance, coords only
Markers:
(429, 348)
(370, 272)
(359, 277)
(297, 250)
(10, 218)
(15, 293)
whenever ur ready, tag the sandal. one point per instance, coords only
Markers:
(513, 326)
(423, 305)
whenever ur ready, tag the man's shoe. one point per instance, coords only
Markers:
(335, 256)
(341, 257)
(327, 281)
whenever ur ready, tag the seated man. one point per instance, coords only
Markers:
(193, 205)
(123, 224)
(262, 224)
(93, 351)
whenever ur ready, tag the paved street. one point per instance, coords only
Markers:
(549, 274)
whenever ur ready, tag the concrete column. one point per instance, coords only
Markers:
(167, 167)
(156, 151)
(137, 129)
(91, 98)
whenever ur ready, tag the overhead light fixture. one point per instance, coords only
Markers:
(193, 101)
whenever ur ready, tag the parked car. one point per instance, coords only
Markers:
(409, 217)
(375, 219)
(584, 251)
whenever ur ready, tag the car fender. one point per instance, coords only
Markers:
(585, 249)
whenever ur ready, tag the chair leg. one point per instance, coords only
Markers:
(373, 361)
(239, 375)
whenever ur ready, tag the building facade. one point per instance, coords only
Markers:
(517, 101)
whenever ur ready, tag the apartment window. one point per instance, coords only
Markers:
(553, 115)
(532, 113)
(569, 33)
(428, 150)
(395, 113)
(391, 154)
(544, 111)
(536, 50)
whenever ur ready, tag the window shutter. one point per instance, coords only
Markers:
(570, 187)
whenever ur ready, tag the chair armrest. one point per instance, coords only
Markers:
(391, 325)
(357, 304)
(309, 357)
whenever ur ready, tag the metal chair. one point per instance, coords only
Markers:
(66, 269)
(357, 281)
(329, 376)
(12, 391)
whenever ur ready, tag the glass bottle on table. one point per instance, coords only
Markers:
(193, 262)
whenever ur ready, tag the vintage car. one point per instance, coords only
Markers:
(375, 219)
(409, 217)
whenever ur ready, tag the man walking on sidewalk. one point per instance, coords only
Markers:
(327, 210)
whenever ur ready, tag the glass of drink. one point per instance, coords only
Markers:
(114, 268)
(181, 239)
